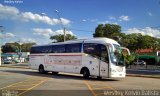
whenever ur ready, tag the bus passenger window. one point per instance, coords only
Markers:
(92, 49)
(73, 48)
(58, 49)
(46, 49)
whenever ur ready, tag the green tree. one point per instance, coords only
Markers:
(25, 47)
(60, 38)
(107, 30)
(16, 47)
(9, 48)
(130, 41)
(138, 41)
(129, 59)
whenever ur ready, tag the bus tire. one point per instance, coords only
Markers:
(86, 73)
(41, 69)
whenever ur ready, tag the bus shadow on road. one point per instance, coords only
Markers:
(59, 76)
(80, 77)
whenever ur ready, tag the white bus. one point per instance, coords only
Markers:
(100, 57)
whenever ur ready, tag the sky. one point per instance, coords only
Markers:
(36, 20)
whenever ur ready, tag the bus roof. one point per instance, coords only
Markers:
(100, 40)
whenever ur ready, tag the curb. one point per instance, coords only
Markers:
(16, 67)
(145, 76)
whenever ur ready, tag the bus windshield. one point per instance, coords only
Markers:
(118, 55)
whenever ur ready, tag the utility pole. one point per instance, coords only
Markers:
(64, 30)
(20, 52)
(1, 30)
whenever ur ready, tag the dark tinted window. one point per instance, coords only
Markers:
(67, 48)
(41, 49)
(32, 50)
(36, 50)
(92, 49)
(158, 53)
(58, 49)
(73, 48)
(46, 49)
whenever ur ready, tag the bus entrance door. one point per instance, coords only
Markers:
(103, 70)
(104, 61)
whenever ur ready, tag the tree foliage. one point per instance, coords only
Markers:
(132, 41)
(16, 47)
(129, 59)
(8, 48)
(107, 30)
(138, 41)
(25, 47)
(60, 37)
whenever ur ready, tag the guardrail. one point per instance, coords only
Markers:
(149, 67)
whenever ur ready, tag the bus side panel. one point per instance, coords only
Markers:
(104, 68)
(73, 63)
(91, 63)
(78, 64)
(54, 63)
(63, 62)
(48, 63)
(35, 61)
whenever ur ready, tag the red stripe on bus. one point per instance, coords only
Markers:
(60, 64)
(65, 55)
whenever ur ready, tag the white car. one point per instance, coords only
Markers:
(139, 62)
(7, 61)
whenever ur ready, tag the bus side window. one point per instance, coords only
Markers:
(58, 49)
(33, 50)
(92, 49)
(46, 49)
(158, 53)
(104, 53)
(73, 48)
(36, 49)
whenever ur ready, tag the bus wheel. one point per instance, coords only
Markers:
(86, 73)
(54, 73)
(41, 69)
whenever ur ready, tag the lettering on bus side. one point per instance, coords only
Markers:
(62, 62)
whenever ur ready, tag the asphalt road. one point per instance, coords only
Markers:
(27, 82)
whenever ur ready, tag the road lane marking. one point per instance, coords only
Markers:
(96, 87)
(25, 85)
(110, 87)
(14, 84)
(33, 87)
(100, 94)
(89, 87)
